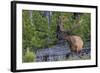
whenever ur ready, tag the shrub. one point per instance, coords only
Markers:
(29, 57)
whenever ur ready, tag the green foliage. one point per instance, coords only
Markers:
(29, 57)
(27, 30)
(41, 32)
(37, 35)
(34, 32)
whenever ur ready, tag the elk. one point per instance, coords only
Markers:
(75, 42)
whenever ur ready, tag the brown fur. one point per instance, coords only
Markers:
(76, 43)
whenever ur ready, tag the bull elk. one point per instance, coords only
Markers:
(75, 41)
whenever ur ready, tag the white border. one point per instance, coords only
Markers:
(35, 65)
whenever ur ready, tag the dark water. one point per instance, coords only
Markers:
(61, 52)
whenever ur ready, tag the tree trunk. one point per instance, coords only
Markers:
(31, 17)
(48, 16)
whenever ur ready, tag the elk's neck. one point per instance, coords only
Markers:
(67, 37)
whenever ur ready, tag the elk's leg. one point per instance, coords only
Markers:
(72, 50)
(78, 53)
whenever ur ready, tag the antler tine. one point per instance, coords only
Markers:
(61, 24)
(76, 25)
